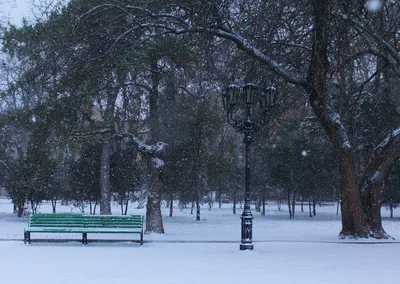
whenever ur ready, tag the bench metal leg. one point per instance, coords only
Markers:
(141, 238)
(27, 237)
(84, 238)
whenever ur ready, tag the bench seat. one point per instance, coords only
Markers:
(84, 224)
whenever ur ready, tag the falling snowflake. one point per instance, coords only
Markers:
(374, 5)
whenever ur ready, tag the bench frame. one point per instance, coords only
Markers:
(84, 224)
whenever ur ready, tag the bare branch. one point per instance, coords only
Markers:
(359, 26)
(188, 92)
(6, 166)
(178, 26)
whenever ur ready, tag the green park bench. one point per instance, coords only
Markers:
(84, 224)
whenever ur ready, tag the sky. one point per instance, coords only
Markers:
(15, 10)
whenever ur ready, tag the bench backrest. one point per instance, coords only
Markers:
(85, 221)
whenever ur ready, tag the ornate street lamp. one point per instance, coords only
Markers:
(245, 124)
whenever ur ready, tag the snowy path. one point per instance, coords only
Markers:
(305, 250)
(199, 263)
(215, 225)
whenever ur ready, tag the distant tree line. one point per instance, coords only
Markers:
(104, 100)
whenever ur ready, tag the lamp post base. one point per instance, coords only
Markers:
(246, 246)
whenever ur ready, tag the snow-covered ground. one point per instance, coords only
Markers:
(304, 250)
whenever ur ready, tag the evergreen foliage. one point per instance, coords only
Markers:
(83, 87)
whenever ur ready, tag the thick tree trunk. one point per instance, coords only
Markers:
(105, 187)
(373, 182)
(154, 223)
(154, 220)
(353, 219)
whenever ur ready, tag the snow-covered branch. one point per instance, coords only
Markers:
(162, 23)
(382, 159)
(156, 150)
(244, 45)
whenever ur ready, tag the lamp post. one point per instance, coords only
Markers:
(232, 99)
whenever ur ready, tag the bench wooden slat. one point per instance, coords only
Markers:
(85, 230)
(88, 223)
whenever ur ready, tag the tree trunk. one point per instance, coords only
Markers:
(105, 202)
(353, 219)
(54, 205)
(288, 202)
(171, 204)
(105, 205)
(373, 182)
(293, 204)
(19, 208)
(258, 202)
(197, 206)
(338, 204)
(309, 205)
(234, 201)
(391, 210)
(314, 204)
(302, 204)
(154, 223)
(126, 207)
(263, 204)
